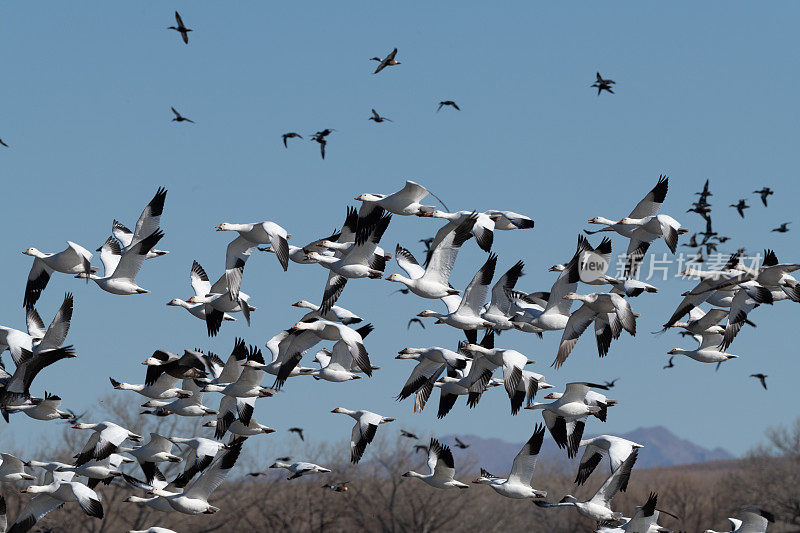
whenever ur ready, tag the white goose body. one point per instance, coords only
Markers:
(518, 483)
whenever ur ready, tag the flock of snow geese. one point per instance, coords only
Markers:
(175, 385)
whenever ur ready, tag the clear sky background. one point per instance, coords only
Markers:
(704, 90)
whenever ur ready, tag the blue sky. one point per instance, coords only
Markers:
(703, 91)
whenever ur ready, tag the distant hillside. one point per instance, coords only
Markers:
(661, 448)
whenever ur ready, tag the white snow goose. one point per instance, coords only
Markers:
(482, 229)
(191, 406)
(645, 517)
(250, 236)
(164, 388)
(218, 300)
(566, 417)
(17, 388)
(498, 312)
(300, 468)
(430, 362)
(148, 222)
(236, 427)
(616, 449)
(334, 314)
(647, 230)
(194, 500)
(120, 268)
(201, 452)
(38, 339)
(406, 201)
(50, 497)
(750, 521)
(598, 507)
(708, 350)
(75, 259)
(518, 483)
(43, 408)
(13, 469)
(647, 207)
(433, 281)
(467, 316)
(509, 220)
(614, 314)
(157, 450)
(367, 424)
(106, 438)
(442, 468)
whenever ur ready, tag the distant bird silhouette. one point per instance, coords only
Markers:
(692, 242)
(722, 240)
(388, 61)
(428, 250)
(741, 206)
(603, 85)
(402, 291)
(299, 432)
(336, 487)
(4, 144)
(181, 28)
(705, 193)
(415, 321)
(762, 378)
(610, 384)
(670, 364)
(408, 435)
(74, 419)
(447, 102)
(283, 459)
(179, 117)
(783, 228)
(290, 135)
(377, 118)
(764, 193)
(421, 448)
(460, 444)
(320, 138)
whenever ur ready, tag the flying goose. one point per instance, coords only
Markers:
(248, 383)
(433, 282)
(367, 424)
(194, 499)
(191, 406)
(387, 61)
(498, 311)
(592, 399)
(339, 367)
(405, 202)
(598, 507)
(50, 497)
(42, 408)
(157, 450)
(352, 340)
(646, 230)
(38, 339)
(430, 362)
(217, 299)
(179, 117)
(708, 350)
(408, 434)
(509, 220)
(518, 483)
(148, 222)
(377, 118)
(13, 469)
(783, 228)
(290, 135)
(566, 417)
(300, 468)
(647, 207)
(75, 259)
(121, 268)
(164, 388)
(616, 449)
(762, 378)
(181, 28)
(442, 467)
(741, 205)
(17, 389)
(201, 452)
(645, 518)
(447, 103)
(752, 521)
(764, 193)
(341, 486)
(104, 470)
(250, 236)
(467, 315)
(483, 229)
(154, 502)
(605, 306)
(189, 365)
(334, 314)
(106, 438)
(236, 427)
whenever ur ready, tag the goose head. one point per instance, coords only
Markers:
(177, 302)
(304, 304)
(32, 252)
(225, 226)
(557, 268)
(428, 313)
(367, 197)
(342, 410)
(394, 277)
(408, 353)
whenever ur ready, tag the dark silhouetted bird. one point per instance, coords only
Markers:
(4, 144)
(692, 242)
(447, 103)
(783, 228)
(181, 28)
(299, 432)
(408, 435)
(603, 85)
(421, 448)
(320, 138)
(415, 321)
(610, 384)
(764, 193)
(741, 206)
(670, 364)
(705, 193)
(377, 118)
(179, 117)
(290, 135)
(762, 378)
(388, 61)
(460, 444)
